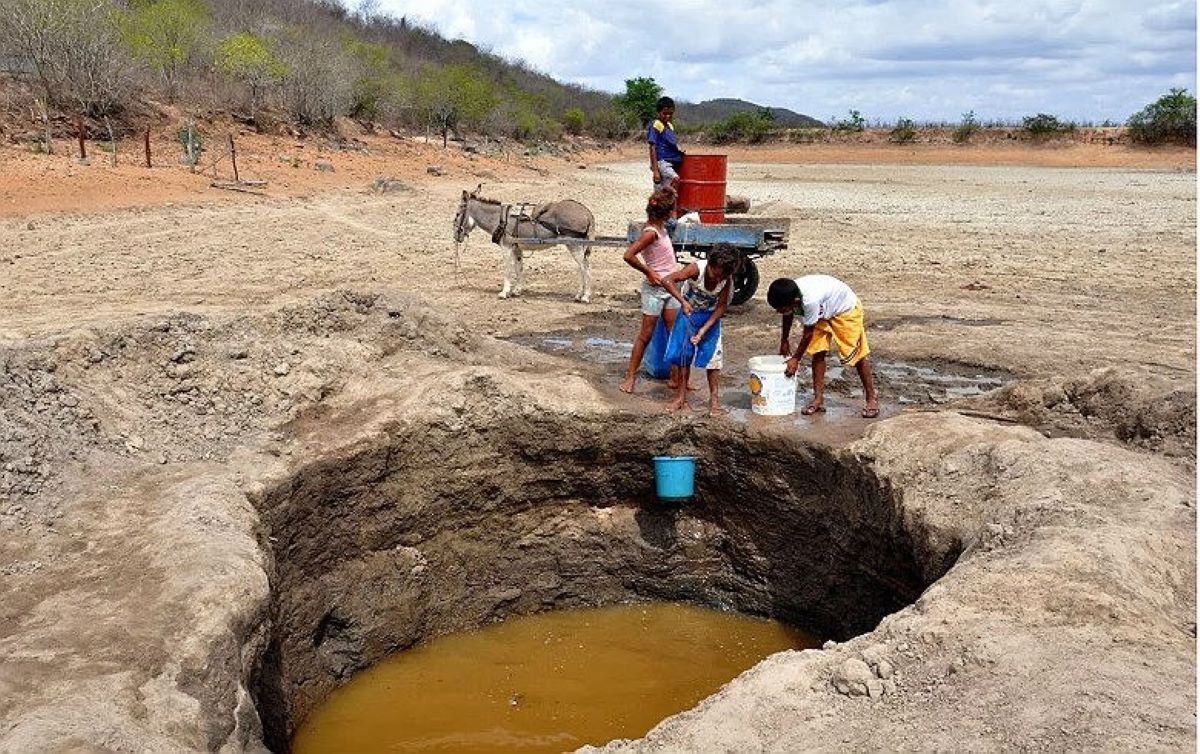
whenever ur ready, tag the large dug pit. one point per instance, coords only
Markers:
(211, 530)
(436, 528)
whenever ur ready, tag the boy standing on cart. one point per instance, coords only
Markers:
(665, 156)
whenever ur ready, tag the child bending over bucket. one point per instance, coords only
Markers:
(702, 289)
(832, 316)
(657, 260)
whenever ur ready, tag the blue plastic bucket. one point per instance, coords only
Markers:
(675, 477)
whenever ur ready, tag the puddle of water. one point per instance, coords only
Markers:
(586, 348)
(901, 383)
(911, 379)
(550, 682)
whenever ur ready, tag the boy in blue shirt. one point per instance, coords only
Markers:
(665, 155)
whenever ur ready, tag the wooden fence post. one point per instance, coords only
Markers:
(233, 159)
(112, 140)
(79, 127)
(147, 147)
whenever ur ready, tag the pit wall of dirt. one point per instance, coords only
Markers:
(432, 528)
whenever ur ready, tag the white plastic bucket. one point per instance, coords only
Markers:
(771, 394)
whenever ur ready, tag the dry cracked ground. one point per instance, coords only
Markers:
(249, 447)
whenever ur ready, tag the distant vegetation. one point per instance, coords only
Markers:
(718, 110)
(1171, 118)
(639, 102)
(294, 60)
(904, 132)
(1044, 125)
(967, 127)
(852, 124)
(749, 127)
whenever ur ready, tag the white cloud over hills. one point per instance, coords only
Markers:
(1080, 59)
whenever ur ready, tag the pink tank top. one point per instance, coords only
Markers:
(660, 255)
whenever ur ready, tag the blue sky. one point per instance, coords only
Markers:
(928, 60)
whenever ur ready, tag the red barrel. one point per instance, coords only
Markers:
(702, 186)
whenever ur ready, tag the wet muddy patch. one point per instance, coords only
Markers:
(902, 384)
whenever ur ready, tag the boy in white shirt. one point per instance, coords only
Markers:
(832, 316)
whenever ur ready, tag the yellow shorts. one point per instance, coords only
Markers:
(846, 330)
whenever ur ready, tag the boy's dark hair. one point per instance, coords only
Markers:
(728, 257)
(783, 292)
(663, 101)
(661, 204)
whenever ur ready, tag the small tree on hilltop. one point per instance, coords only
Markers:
(1172, 117)
(638, 101)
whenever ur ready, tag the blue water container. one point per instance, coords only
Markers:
(654, 360)
(675, 477)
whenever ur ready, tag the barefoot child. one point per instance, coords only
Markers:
(696, 337)
(657, 261)
(832, 316)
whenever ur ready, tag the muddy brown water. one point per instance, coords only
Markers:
(550, 682)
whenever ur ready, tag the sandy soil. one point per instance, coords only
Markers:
(1031, 270)
(169, 350)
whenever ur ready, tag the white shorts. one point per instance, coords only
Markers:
(666, 172)
(655, 298)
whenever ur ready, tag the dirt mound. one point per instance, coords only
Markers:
(184, 387)
(1109, 404)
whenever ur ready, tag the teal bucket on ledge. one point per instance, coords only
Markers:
(675, 477)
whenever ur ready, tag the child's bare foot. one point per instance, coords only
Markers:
(716, 409)
(627, 386)
(679, 404)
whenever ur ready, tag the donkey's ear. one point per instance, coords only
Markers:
(466, 195)
(478, 189)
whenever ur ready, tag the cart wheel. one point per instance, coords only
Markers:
(745, 283)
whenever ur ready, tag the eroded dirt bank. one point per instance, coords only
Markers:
(402, 476)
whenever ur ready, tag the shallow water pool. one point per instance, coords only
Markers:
(549, 682)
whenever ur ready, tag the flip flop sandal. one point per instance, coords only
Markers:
(870, 413)
(809, 410)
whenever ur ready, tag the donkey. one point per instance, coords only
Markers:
(509, 224)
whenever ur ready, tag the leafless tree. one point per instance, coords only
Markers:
(73, 49)
(319, 81)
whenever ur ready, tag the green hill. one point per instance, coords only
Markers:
(278, 60)
(717, 110)
(274, 62)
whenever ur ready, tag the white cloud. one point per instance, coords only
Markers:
(925, 59)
